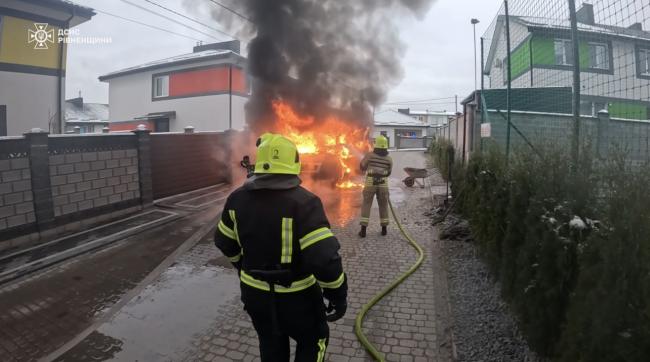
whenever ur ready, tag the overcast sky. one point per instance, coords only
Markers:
(438, 62)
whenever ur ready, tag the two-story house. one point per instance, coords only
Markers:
(32, 63)
(614, 61)
(206, 89)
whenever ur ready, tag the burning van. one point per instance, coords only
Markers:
(330, 149)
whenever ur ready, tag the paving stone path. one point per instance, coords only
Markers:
(402, 325)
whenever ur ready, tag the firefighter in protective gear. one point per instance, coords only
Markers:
(378, 166)
(276, 234)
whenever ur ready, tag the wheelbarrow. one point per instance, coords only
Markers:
(413, 175)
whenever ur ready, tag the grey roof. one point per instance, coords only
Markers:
(565, 24)
(89, 112)
(431, 113)
(176, 60)
(389, 117)
(65, 3)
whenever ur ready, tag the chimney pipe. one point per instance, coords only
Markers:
(585, 14)
(636, 26)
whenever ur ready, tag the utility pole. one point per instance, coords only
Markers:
(474, 22)
(482, 68)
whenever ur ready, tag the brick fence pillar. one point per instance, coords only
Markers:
(144, 167)
(39, 164)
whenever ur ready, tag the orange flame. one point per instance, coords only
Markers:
(316, 139)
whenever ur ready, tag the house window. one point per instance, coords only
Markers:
(590, 108)
(644, 62)
(161, 86)
(598, 56)
(563, 52)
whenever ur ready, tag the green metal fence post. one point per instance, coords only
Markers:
(575, 147)
(509, 70)
(480, 100)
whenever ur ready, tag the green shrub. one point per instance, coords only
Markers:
(580, 288)
(442, 153)
(609, 317)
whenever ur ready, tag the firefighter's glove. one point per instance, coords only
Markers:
(337, 301)
(336, 311)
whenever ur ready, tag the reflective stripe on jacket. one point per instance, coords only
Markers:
(273, 229)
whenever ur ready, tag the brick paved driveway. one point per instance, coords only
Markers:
(403, 324)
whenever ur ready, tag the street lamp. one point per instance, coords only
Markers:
(474, 22)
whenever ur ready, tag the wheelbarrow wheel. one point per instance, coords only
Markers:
(409, 181)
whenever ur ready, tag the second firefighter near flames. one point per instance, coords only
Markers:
(378, 165)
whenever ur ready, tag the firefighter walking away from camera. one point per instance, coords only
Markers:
(378, 166)
(276, 234)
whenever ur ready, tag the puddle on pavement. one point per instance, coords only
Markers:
(162, 320)
(100, 348)
(344, 206)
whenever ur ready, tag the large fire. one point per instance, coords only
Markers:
(321, 139)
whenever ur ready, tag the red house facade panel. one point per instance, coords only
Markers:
(129, 126)
(206, 81)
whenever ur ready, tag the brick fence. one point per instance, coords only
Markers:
(54, 184)
(196, 160)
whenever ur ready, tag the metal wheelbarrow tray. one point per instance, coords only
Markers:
(413, 175)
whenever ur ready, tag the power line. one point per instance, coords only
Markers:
(231, 10)
(168, 18)
(190, 19)
(420, 100)
(147, 25)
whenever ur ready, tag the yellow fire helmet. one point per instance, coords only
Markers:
(381, 142)
(276, 155)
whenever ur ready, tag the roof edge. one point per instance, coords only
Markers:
(103, 78)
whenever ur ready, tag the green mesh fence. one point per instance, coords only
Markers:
(611, 62)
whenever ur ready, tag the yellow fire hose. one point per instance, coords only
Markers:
(376, 355)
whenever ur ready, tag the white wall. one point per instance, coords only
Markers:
(518, 33)
(30, 99)
(129, 96)
(390, 130)
(376, 131)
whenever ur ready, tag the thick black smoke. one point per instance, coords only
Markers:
(321, 56)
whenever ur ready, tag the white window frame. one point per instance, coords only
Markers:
(565, 43)
(593, 45)
(163, 91)
(644, 70)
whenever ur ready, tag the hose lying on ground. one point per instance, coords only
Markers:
(357, 324)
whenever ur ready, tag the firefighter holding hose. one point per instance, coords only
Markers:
(278, 237)
(378, 166)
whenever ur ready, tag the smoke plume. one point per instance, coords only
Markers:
(322, 56)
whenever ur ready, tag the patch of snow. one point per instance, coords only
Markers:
(577, 223)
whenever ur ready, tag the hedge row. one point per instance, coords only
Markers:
(570, 247)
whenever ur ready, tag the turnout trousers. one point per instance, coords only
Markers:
(369, 192)
(300, 316)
